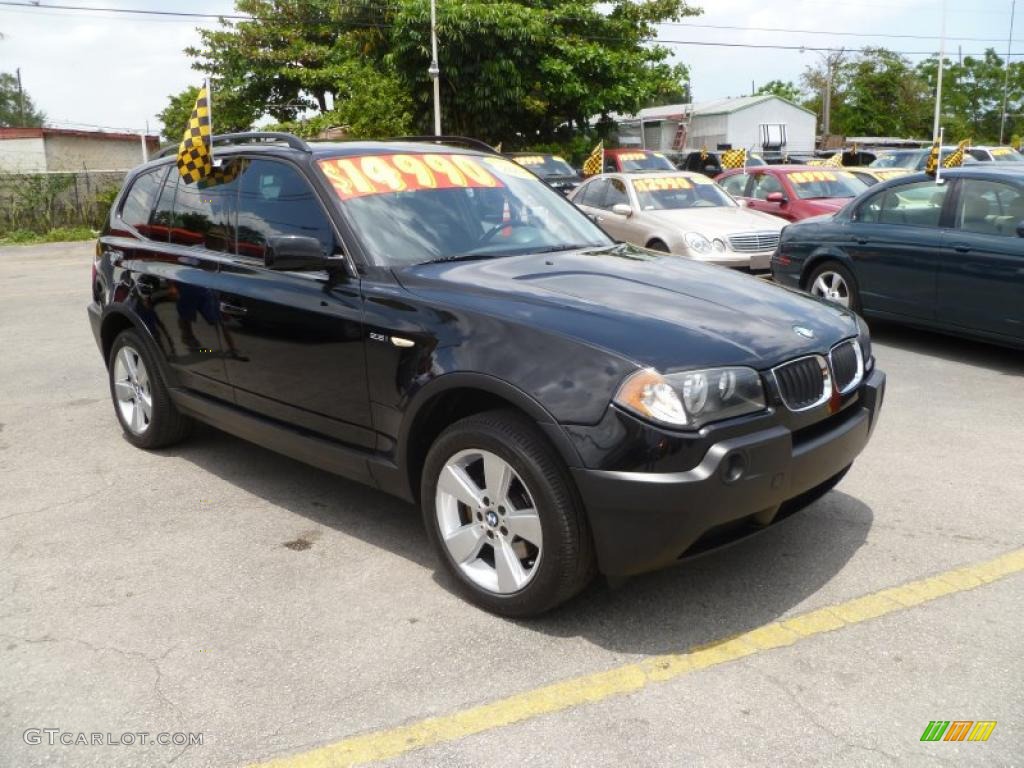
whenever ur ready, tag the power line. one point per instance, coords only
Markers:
(695, 25)
(192, 15)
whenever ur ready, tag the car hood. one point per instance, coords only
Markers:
(655, 310)
(717, 222)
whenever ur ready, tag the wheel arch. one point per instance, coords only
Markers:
(116, 320)
(819, 257)
(454, 396)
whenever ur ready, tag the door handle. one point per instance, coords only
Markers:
(961, 248)
(232, 310)
(861, 240)
(599, 219)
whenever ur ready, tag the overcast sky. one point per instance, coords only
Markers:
(99, 69)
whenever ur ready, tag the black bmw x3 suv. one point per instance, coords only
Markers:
(435, 321)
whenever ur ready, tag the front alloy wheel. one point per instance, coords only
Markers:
(501, 509)
(833, 282)
(488, 521)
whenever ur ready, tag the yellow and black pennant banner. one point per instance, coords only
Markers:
(195, 153)
(225, 173)
(594, 164)
(956, 157)
(933, 159)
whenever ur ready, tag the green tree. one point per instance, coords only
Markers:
(511, 70)
(972, 96)
(17, 110)
(875, 92)
(786, 90)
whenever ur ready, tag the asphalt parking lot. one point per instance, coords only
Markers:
(288, 614)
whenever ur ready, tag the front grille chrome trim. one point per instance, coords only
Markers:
(858, 376)
(754, 242)
(826, 382)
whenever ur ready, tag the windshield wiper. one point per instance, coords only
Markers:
(463, 257)
(572, 247)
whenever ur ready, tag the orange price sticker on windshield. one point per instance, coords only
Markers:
(632, 155)
(806, 177)
(530, 160)
(657, 183)
(359, 176)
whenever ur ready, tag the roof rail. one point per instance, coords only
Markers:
(456, 141)
(290, 139)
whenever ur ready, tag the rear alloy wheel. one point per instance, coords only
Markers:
(833, 282)
(502, 511)
(141, 401)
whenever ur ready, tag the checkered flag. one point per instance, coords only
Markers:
(956, 157)
(195, 153)
(594, 164)
(224, 173)
(734, 158)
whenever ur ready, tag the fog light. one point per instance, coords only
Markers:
(734, 467)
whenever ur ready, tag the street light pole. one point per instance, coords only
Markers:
(826, 108)
(1006, 76)
(434, 71)
(938, 83)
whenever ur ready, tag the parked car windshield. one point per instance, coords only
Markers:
(905, 159)
(419, 207)
(814, 184)
(545, 166)
(669, 193)
(1002, 155)
(644, 161)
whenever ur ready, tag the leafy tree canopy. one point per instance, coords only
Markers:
(511, 70)
(17, 110)
(786, 90)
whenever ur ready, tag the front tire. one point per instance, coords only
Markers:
(141, 400)
(503, 514)
(834, 282)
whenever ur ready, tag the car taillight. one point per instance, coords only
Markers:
(781, 259)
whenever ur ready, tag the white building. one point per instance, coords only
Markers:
(42, 150)
(762, 123)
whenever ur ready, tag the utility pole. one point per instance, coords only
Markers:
(938, 82)
(1006, 77)
(21, 101)
(434, 70)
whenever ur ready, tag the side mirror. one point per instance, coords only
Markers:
(775, 197)
(622, 209)
(294, 252)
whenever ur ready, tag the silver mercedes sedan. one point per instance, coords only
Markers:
(682, 213)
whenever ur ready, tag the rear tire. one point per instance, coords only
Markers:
(141, 400)
(833, 282)
(487, 479)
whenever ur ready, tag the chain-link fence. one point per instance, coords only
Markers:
(41, 202)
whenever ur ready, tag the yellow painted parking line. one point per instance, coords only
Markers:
(587, 689)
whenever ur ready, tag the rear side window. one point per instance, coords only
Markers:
(617, 194)
(141, 201)
(204, 212)
(593, 193)
(764, 185)
(275, 199)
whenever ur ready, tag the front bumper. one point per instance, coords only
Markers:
(755, 262)
(643, 521)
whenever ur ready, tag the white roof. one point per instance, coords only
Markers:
(715, 107)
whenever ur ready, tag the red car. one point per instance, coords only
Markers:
(632, 160)
(793, 192)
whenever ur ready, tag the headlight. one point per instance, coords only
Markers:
(864, 338)
(697, 243)
(692, 398)
(718, 245)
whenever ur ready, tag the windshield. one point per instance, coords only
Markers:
(671, 193)
(1006, 155)
(906, 159)
(545, 166)
(815, 184)
(644, 161)
(418, 207)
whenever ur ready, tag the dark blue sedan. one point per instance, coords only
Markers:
(945, 255)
